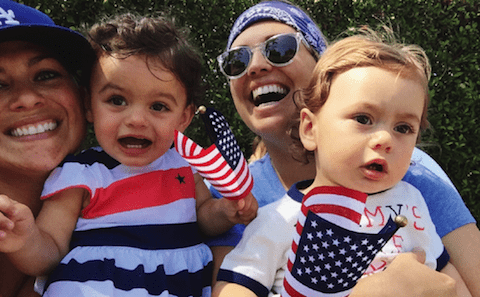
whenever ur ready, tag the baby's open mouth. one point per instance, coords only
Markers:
(133, 142)
(376, 167)
(270, 93)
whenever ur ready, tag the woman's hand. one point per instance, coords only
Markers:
(16, 224)
(406, 276)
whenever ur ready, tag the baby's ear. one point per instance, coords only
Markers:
(187, 117)
(307, 129)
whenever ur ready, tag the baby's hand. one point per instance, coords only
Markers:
(16, 224)
(245, 209)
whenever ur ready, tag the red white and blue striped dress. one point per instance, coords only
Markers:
(138, 236)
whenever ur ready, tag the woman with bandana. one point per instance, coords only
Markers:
(263, 77)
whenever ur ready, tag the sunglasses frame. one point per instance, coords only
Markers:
(298, 37)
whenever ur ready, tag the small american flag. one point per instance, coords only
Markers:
(223, 163)
(327, 258)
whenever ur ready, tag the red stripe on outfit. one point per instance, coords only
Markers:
(136, 192)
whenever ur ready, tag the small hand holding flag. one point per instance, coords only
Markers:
(223, 163)
(328, 257)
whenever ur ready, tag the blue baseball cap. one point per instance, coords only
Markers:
(24, 23)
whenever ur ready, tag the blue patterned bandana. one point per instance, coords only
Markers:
(284, 13)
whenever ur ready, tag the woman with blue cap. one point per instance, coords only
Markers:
(271, 52)
(41, 110)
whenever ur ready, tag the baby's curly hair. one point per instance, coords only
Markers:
(367, 48)
(159, 40)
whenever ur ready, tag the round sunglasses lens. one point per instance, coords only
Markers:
(236, 61)
(282, 49)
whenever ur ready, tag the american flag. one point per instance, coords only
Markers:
(327, 257)
(223, 163)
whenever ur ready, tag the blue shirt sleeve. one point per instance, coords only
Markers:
(447, 209)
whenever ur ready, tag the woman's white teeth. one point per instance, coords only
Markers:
(32, 130)
(267, 90)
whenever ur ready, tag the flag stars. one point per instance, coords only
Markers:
(331, 258)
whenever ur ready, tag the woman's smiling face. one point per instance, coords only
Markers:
(41, 110)
(269, 115)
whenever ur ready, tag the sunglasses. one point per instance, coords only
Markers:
(278, 50)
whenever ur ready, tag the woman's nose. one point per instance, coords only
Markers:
(258, 63)
(25, 98)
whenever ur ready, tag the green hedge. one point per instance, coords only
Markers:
(447, 29)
